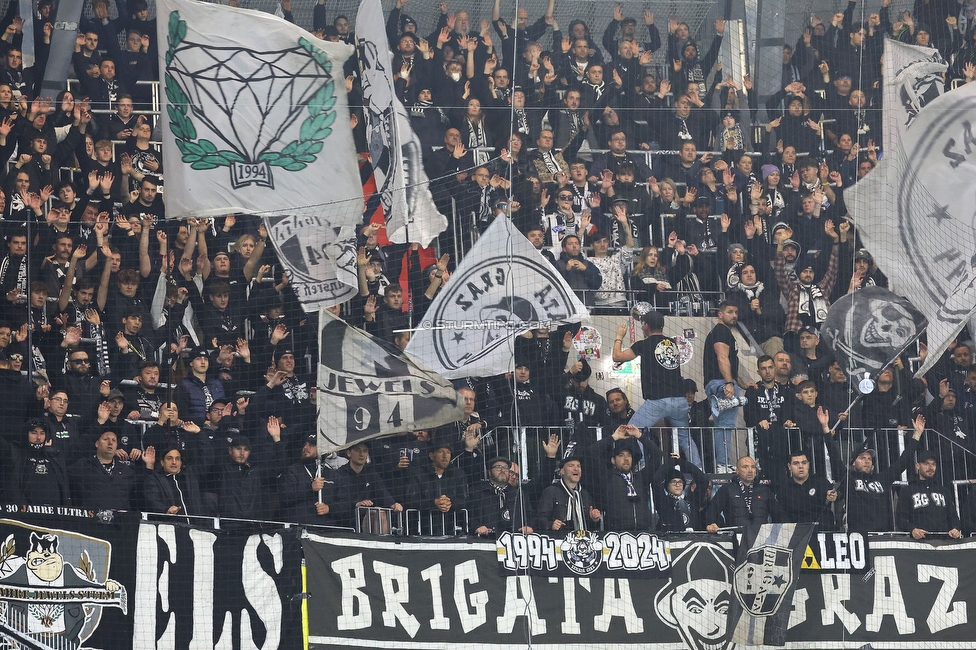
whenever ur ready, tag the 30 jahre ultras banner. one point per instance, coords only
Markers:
(451, 594)
(73, 579)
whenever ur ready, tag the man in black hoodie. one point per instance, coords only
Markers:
(679, 510)
(245, 486)
(34, 472)
(623, 485)
(865, 491)
(924, 506)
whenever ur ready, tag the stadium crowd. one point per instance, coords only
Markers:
(119, 400)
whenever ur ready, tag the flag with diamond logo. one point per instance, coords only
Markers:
(255, 116)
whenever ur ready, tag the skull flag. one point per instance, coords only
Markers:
(866, 330)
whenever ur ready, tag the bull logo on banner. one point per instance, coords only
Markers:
(47, 602)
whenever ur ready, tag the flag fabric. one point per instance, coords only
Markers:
(502, 288)
(914, 213)
(394, 148)
(255, 118)
(868, 329)
(766, 572)
(27, 45)
(368, 388)
(255, 115)
(62, 46)
(912, 79)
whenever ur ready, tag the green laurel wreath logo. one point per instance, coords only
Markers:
(204, 154)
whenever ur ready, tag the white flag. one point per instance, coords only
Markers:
(320, 257)
(255, 117)
(912, 79)
(369, 388)
(914, 213)
(396, 153)
(502, 288)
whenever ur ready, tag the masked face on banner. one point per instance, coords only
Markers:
(696, 600)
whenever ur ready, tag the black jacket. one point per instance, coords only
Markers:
(671, 513)
(867, 497)
(498, 511)
(183, 490)
(35, 476)
(246, 491)
(297, 500)
(729, 507)
(798, 503)
(93, 487)
(352, 487)
(554, 504)
(425, 486)
(621, 512)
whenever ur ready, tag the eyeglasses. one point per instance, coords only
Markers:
(60, 399)
(80, 361)
(565, 197)
(503, 468)
(676, 481)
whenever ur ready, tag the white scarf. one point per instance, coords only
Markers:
(574, 507)
(812, 303)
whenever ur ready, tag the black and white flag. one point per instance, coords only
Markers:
(868, 329)
(503, 287)
(255, 115)
(369, 388)
(255, 120)
(765, 576)
(394, 148)
(914, 212)
(912, 78)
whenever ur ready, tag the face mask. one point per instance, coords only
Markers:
(456, 76)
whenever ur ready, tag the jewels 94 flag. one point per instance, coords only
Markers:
(255, 115)
(368, 388)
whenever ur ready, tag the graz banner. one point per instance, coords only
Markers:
(369, 593)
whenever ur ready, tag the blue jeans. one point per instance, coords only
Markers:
(725, 422)
(675, 411)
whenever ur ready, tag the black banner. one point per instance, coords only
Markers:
(369, 593)
(66, 578)
(837, 552)
(70, 578)
(204, 588)
(584, 553)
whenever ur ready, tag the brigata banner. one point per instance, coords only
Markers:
(370, 593)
